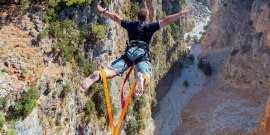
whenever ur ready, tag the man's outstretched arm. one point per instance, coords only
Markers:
(112, 16)
(172, 18)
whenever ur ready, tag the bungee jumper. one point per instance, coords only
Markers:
(136, 56)
(137, 51)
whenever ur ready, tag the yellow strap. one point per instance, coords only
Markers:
(103, 74)
(125, 108)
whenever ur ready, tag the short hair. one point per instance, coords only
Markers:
(142, 14)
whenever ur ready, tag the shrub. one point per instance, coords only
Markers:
(25, 73)
(51, 122)
(50, 15)
(2, 102)
(132, 127)
(67, 89)
(54, 93)
(43, 34)
(11, 132)
(234, 52)
(89, 109)
(188, 39)
(56, 3)
(191, 58)
(195, 39)
(205, 67)
(25, 4)
(141, 124)
(66, 50)
(26, 103)
(99, 100)
(106, 2)
(186, 84)
(142, 102)
(182, 3)
(245, 48)
(176, 33)
(98, 32)
(205, 27)
(154, 103)
(2, 120)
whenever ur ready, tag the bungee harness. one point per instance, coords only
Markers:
(143, 57)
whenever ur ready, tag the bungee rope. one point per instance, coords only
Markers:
(124, 103)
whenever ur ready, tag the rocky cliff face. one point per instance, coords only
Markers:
(233, 100)
(29, 60)
(218, 33)
(250, 52)
(243, 28)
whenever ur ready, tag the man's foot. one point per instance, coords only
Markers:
(87, 82)
(139, 85)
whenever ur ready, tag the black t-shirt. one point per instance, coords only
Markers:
(140, 30)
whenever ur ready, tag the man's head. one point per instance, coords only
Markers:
(143, 14)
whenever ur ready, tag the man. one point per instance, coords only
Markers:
(137, 51)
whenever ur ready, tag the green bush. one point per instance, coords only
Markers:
(11, 132)
(25, 73)
(195, 39)
(99, 100)
(132, 127)
(56, 3)
(186, 84)
(67, 89)
(43, 34)
(131, 12)
(106, 2)
(50, 15)
(234, 52)
(176, 33)
(2, 102)
(2, 120)
(66, 50)
(142, 102)
(205, 27)
(26, 103)
(25, 4)
(141, 124)
(89, 109)
(245, 48)
(191, 58)
(67, 35)
(98, 32)
(205, 67)
(182, 3)
(77, 2)
(188, 39)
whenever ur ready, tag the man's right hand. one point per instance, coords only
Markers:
(186, 10)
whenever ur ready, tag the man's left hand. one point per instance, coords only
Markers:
(100, 9)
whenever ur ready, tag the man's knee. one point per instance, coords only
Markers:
(146, 78)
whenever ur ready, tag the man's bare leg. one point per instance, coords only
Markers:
(139, 85)
(94, 77)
